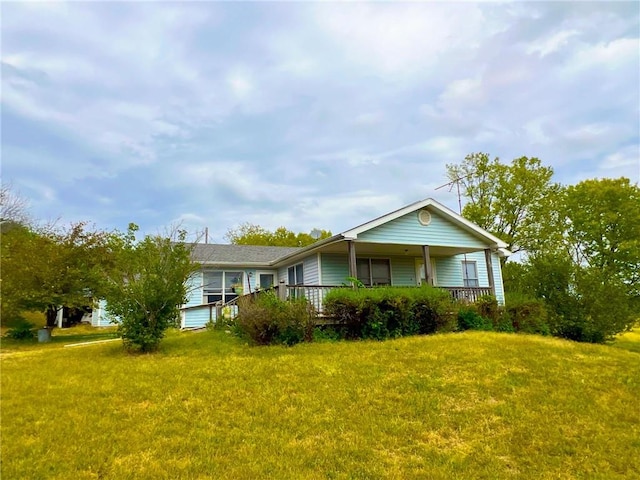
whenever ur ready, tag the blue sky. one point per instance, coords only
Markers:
(303, 114)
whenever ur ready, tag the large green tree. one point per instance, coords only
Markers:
(147, 286)
(251, 234)
(603, 228)
(507, 200)
(586, 263)
(45, 269)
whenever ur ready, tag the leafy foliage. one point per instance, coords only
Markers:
(390, 312)
(504, 199)
(470, 319)
(147, 287)
(587, 272)
(250, 234)
(267, 320)
(45, 269)
(21, 330)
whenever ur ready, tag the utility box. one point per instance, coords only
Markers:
(44, 335)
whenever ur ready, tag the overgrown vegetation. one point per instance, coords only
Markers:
(267, 320)
(465, 405)
(389, 312)
(21, 330)
(581, 242)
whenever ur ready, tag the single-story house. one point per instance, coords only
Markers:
(424, 242)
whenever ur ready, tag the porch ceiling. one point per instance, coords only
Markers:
(392, 249)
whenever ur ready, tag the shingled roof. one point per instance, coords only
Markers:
(211, 253)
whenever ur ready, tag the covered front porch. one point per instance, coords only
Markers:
(315, 294)
(466, 272)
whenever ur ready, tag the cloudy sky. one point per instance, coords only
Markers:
(303, 114)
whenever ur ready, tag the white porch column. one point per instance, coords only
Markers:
(353, 269)
(59, 316)
(426, 258)
(488, 259)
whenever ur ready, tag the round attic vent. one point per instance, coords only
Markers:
(424, 217)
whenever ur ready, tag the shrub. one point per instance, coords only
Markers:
(470, 319)
(433, 311)
(504, 323)
(487, 306)
(21, 330)
(527, 315)
(390, 312)
(267, 320)
(326, 333)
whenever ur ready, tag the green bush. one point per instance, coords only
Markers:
(327, 333)
(21, 330)
(487, 306)
(267, 320)
(390, 312)
(527, 315)
(504, 323)
(470, 319)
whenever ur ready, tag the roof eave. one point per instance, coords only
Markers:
(308, 249)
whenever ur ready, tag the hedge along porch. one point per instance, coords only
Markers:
(424, 242)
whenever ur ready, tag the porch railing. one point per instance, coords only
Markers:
(468, 294)
(315, 294)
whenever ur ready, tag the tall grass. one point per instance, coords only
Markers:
(465, 405)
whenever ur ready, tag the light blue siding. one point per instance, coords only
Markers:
(408, 230)
(403, 271)
(196, 317)
(194, 290)
(449, 269)
(335, 268)
(497, 275)
(282, 275)
(310, 270)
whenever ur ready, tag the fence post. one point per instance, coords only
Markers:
(282, 291)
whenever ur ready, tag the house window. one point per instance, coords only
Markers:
(374, 271)
(222, 285)
(295, 275)
(470, 274)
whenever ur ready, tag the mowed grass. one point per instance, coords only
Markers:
(466, 405)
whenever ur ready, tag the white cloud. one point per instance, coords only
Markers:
(307, 115)
(555, 42)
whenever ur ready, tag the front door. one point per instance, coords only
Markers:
(421, 274)
(265, 280)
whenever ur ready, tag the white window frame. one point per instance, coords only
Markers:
(222, 292)
(298, 271)
(466, 281)
(369, 259)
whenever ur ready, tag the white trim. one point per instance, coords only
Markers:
(429, 202)
(319, 256)
(418, 263)
(264, 272)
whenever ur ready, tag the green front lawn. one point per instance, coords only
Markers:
(464, 405)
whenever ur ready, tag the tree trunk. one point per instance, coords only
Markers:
(51, 313)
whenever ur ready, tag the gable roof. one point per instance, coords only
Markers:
(219, 254)
(432, 204)
(261, 256)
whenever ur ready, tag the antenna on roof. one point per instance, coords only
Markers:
(456, 182)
